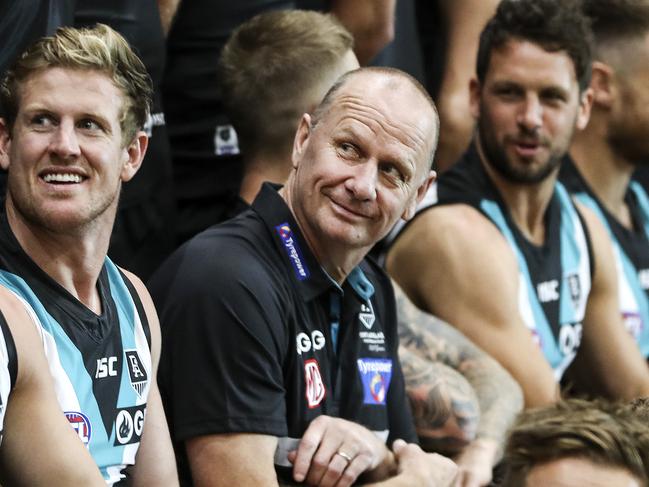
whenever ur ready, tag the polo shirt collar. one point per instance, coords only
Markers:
(306, 272)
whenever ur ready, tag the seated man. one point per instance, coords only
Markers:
(505, 255)
(604, 156)
(575, 443)
(274, 308)
(463, 400)
(37, 447)
(76, 103)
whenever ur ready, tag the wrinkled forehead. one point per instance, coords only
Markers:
(393, 106)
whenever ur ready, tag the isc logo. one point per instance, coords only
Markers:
(106, 367)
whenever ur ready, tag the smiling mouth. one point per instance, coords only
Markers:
(348, 211)
(63, 178)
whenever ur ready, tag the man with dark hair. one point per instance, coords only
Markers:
(604, 156)
(76, 103)
(577, 443)
(293, 331)
(505, 255)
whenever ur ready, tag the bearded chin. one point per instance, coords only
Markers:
(497, 158)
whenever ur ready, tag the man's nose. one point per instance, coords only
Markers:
(64, 141)
(362, 182)
(531, 114)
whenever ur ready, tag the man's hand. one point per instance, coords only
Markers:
(423, 469)
(334, 451)
(475, 463)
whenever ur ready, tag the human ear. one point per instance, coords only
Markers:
(134, 154)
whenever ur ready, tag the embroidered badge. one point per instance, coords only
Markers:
(315, 388)
(366, 315)
(81, 424)
(293, 251)
(375, 375)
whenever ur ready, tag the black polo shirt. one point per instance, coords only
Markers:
(257, 338)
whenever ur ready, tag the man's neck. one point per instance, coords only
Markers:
(527, 203)
(607, 173)
(74, 260)
(261, 169)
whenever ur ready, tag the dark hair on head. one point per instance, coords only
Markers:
(617, 20)
(554, 25)
(601, 432)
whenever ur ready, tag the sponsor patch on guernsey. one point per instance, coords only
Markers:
(81, 425)
(293, 251)
(375, 375)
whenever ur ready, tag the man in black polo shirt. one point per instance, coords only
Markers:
(275, 328)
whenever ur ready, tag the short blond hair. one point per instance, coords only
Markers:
(95, 49)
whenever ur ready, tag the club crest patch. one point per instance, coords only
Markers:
(574, 285)
(366, 315)
(136, 371)
(315, 387)
(293, 251)
(375, 375)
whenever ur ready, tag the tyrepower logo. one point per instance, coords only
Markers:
(375, 375)
(315, 388)
(293, 251)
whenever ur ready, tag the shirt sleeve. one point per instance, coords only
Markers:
(223, 346)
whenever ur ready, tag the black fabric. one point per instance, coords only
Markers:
(204, 182)
(143, 235)
(11, 352)
(232, 309)
(633, 241)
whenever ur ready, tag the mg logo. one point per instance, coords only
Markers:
(315, 388)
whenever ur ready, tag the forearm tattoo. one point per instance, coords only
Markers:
(445, 358)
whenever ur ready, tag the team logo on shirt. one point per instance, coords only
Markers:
(633, 323)
(643, 277)
(574, 285)
(226, 141)
(129, 424)
(81, 424)
(306, 344)
(366, 315)
(375, 374)
(136, 371)
(293, 251)
(570, 338)
(315, 387)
